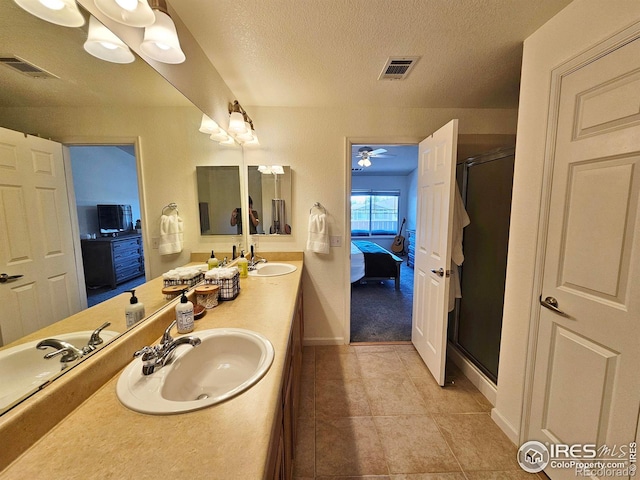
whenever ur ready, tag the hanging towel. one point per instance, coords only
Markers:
(318, 241)
(460, 220)
(171, 234)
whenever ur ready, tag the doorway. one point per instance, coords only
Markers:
(382, 221)
(105, 181)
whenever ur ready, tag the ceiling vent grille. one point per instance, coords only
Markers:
(24, 67)
(397, 68)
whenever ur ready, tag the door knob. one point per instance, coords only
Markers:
(552, 304)
(441, 272)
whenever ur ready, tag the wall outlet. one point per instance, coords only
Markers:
(155, 242)
(335, 241)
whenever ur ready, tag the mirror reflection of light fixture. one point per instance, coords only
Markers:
(102, 43)
(208, 125)
(61, 12)
(364, 162)
(134, 13)
(161, 41)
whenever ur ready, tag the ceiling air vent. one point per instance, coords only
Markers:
(397, 68)
(24, 67)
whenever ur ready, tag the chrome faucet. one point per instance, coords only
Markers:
(68, 353)
(95, 338)
(254, 262)
(159, 355)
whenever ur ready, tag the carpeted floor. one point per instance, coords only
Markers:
(379, 312)
(97, 295)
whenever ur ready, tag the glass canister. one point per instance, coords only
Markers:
(207, 295)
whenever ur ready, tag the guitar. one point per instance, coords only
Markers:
(398, 242)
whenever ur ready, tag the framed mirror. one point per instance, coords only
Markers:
(219, 200)
(270, 193)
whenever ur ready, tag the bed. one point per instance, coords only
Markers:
(370, 261)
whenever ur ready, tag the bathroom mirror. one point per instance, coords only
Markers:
(78, 82)
(219, 200)
(270, 191)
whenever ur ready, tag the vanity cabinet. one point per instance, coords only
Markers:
(112, 260)
(284, 436)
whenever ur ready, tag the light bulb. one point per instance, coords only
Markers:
(53, 4)
(128, 5)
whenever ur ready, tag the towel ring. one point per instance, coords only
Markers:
(171, 206)
(319, 206)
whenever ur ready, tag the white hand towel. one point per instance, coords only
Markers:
(318, 241)
(171, 234)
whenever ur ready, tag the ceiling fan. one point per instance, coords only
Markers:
(365, 154)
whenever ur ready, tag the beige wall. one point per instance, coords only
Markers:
(581, 25)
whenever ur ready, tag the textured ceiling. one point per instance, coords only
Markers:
(330, 52)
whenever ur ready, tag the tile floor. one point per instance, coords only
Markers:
(375, 412)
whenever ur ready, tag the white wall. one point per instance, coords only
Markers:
(103, 174)
(581, 25)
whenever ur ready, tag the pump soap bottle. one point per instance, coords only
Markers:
(213, 261)
(134, 312)
(243, 266)
(184, 315)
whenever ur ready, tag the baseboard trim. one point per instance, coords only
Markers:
(505, 426)
(475, 376)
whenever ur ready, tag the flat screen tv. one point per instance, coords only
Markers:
(114, 218)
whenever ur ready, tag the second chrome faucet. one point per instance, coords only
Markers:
(156, 357)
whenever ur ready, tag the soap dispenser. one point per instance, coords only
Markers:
(243, 266)
(134, 312)
(184, 314)
(213, 261)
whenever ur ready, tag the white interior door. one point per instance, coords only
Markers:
(35, 236)
(586, 383)
(436, 174)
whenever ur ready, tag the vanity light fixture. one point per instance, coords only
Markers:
(208, 125)
(134, 13)
(267, 169)
(220, 136)
(61, 12)
(237, 118)
(102, 43)
(161, 41)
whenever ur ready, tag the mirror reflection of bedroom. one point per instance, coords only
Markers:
(383, 214)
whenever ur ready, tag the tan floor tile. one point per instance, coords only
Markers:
(448, 399)
(337, 365)
(394, 396)
(360, 349)
(429, 476)
(307, 390)
(477, 442)
(304, 463)
(348, 446)
(413, 363)
(381, 364)
(324, 350)
(413, 444)
(509, 475)
(359, 477)
(341, 398)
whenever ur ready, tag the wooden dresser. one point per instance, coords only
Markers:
(112, 260)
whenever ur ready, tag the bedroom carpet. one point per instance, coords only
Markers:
(379, 312)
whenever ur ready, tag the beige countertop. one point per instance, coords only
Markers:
(103, 439)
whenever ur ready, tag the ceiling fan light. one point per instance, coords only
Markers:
(102, 43)
(134, 13)
(161, 41)
(60, 12)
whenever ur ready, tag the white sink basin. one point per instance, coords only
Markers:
(228, 362)
(24, 369)
(272, 269)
